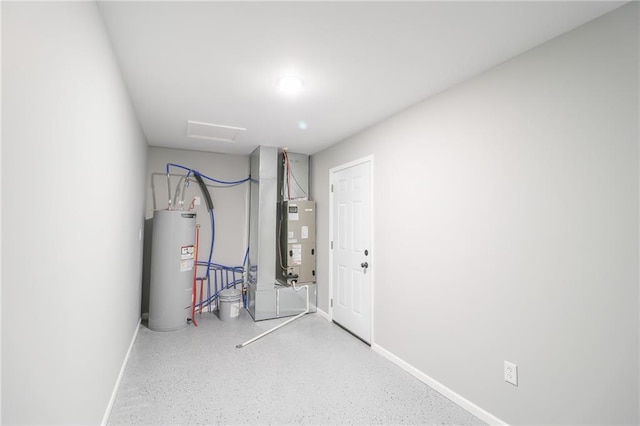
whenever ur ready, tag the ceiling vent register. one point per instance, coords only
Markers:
(213, 132)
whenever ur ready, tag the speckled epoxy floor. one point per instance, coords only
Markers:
(308, 372)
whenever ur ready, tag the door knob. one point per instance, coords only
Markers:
(364, 265)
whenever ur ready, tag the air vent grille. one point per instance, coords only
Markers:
(214, 132)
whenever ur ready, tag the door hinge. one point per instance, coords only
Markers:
(331, 245)
(331, 187)
(332, 303)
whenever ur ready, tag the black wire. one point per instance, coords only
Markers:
(205, 191)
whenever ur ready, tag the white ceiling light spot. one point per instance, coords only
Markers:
(302, 125)
(291, 85)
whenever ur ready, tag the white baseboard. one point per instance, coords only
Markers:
(323, 314)
(440, 388)
(107, 413)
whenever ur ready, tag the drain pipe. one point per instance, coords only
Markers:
(306, 311)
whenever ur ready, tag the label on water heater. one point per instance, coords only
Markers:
(187, 254)
(186, 265)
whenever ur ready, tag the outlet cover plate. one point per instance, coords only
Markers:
(511, 373)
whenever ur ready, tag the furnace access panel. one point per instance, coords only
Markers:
(298, 241)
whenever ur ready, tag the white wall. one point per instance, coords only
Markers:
(231, 203)
(73, 167)
(506, 228)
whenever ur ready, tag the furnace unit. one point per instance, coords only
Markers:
(298, 242)
(275, 258)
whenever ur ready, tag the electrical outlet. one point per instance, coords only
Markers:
(511, 373)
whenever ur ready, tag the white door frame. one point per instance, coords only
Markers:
(332, 171)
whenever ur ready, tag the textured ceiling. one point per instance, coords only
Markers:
(219, 62)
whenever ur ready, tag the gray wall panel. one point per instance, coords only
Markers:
(520, 239)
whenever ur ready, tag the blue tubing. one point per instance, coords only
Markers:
(224, 277)
(222, 182)
(210, 299)
(209, 264)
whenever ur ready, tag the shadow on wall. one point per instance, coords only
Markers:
(146, 267)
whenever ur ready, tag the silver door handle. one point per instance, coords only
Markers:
(364, 265)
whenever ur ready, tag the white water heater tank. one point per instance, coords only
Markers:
(172, 268)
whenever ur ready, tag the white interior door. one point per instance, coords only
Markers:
(351, 253)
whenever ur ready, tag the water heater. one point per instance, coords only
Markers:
(172, 263)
